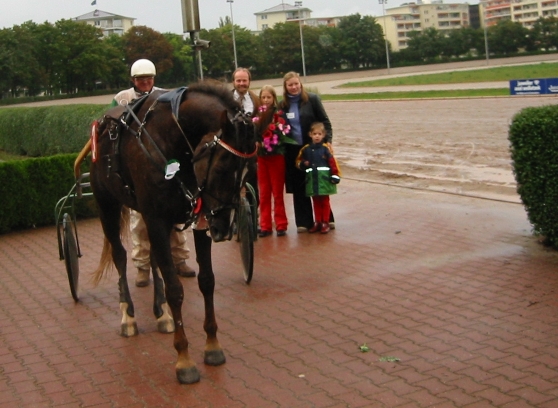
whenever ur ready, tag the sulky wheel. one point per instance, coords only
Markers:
(70, 254)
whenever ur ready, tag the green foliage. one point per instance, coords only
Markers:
(31, 188)
(541, 70)
(45, 131)
(362, 41)
(69, 57)
(144, 42)
(507, 37)
(545, 33)
(533, 136)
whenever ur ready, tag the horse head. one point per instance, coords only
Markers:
(222, 162)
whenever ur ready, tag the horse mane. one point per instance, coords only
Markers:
(217, 89)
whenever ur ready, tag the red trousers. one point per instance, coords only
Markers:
(271, 183)
(322, 209)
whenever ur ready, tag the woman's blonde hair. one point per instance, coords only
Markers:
(303, 95)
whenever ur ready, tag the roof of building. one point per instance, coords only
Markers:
(282, 7)
(95, 14)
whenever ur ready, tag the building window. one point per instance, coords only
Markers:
(263, 16)
(264, 26)
(117, 23)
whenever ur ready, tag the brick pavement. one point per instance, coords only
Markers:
(455, 288)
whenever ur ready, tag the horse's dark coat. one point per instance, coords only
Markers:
(207, 171)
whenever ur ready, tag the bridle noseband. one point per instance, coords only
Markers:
(239, 118)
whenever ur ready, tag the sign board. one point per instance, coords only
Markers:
(539, 86)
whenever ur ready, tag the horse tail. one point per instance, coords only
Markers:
(106, 263)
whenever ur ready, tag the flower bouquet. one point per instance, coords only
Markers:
(276, 134)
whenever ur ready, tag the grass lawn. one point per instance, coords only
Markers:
(457, 93)
(541, 70)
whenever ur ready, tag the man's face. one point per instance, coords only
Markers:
(144, 84)
(241, 82)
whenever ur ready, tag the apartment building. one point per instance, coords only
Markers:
(525, 12)
(398, 22)
(283, 13)
(109, 23)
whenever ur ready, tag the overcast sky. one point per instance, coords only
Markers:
(166, 15)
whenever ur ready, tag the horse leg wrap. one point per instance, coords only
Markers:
(128, 325)
(165, 323)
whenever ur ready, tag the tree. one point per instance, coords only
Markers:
(81, 60)
(116, 74)
(183, 70)
(362, 41)
(507, 37)
(458, 42)
(427, 44)
(281, 46)
(545, 33)
(19, 68)
(144, 42)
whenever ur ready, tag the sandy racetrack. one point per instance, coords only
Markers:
(453, 145)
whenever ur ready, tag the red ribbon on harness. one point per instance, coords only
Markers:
(93, 136)
(198, 207)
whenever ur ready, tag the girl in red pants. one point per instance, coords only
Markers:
(322, 175)
(273, 130)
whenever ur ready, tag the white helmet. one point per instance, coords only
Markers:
(143, 67)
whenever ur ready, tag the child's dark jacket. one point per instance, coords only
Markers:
(319, 164)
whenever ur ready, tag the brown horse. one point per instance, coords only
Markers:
(204, 131)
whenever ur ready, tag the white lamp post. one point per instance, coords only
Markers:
(299, 5)
(383, 3)
(485, 34)
(234, 40)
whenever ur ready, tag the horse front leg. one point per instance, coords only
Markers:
(159, 236)
(161, 310)
(213, 353)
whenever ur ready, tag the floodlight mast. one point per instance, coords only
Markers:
(191, 25)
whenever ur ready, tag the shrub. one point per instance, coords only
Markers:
(533, 136)
(46, 130)
(31, 188)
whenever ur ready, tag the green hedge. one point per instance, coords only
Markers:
(533, 136)
(46, 130)
(31, 188)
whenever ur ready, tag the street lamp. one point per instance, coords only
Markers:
(299, 5)
(234, 40)
(383, 3)
(485, 35)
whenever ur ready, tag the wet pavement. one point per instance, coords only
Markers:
(454, 298)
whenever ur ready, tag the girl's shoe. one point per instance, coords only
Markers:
(317, 227)
(281, 233)
(325, 228)
(263, 234)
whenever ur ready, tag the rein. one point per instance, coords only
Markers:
(193, 199)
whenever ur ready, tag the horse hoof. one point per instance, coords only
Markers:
(165, 326)
(129, 330)
(214, 357)
(188, 375)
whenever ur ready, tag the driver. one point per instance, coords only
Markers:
(143, 77)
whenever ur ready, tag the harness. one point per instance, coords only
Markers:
(122, 117)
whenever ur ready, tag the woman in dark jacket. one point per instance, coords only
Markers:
(302, 109)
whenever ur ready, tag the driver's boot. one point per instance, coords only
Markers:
(142, 279)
